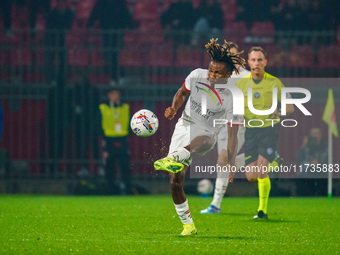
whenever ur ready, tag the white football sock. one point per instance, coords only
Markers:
(180, 155)
(183, 212)
(221, 185)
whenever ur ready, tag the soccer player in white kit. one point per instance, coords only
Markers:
(222, 181)
(195, 132)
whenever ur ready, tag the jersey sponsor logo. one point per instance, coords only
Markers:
(212, 89)
(257, 95)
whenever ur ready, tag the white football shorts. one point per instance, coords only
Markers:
(222, 140)
(185, 132)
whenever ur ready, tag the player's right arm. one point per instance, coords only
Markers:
(177, 102)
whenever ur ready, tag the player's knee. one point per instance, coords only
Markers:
(250, 179)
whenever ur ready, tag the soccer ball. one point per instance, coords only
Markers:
(144, 123)
(205, 187)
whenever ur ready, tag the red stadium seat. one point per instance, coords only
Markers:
(301, 57)
(149, 38)
(21, 57)
(130, 38)
(39, 58)
(99, 79)
(78, 57)
(276, 57)
(84, 8)
(132, 57)
(169, 79)
(264, 32)
(329, 57)
(94, 38)
(146, 10)
(68, 2)
(32, 77)
(15, 39)
(97, 59)
(73, 39)
(229, 10)
(4, 57)
(338, 35)
(188, 57)
(236, 32)
(150, 25)
(26, 121)
(160, 57)
(196, 3)
(166, 4)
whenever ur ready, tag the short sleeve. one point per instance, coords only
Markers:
(279, 86)
(190, 79)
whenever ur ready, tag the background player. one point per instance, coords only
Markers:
(260, 142)
(194, 132)
(222, 182)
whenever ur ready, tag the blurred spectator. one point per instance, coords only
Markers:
(332, 14)
(241, 13)
(180, 16)
(113, 17)
(313, 149)
(317, 21)
(255, 11)
(83, 101)
(113, 127)
(316, 16)
(58, 22)
(35, 7)
(312, 152)
(209, 21)
(287, 18)
(302, 17)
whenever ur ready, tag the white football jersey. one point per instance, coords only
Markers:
(218, 102)
(222, 141)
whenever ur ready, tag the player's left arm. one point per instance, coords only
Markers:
(232, 148)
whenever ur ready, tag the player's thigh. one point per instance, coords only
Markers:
(251, 171)
(181, 136)
(202, 144)
(263, 171)
(202, 140)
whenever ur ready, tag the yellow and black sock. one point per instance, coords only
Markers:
(264, 190)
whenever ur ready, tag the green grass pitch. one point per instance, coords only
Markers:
(149, 225)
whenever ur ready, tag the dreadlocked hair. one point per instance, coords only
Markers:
(221, 53)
